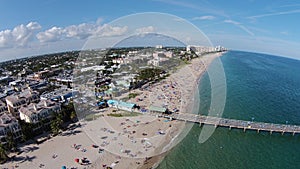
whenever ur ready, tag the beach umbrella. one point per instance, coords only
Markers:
(76, 160)
(63, 167)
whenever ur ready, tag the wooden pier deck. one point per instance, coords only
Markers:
(233, 123)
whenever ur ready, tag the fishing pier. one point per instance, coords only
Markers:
(233, 123)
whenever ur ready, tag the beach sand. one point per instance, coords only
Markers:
(127, 142)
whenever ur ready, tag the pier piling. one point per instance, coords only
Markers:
(233, 123)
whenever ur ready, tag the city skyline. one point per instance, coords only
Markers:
(55, 26)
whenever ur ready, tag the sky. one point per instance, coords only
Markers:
(34, 27)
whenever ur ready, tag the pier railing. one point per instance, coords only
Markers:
(233, 123)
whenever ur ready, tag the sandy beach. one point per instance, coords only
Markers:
(123, 142)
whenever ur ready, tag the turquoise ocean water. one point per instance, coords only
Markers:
(260, 87)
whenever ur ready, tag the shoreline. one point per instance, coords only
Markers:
(206, 63)
(187, 78)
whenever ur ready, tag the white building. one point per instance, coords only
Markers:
(162, 54)
(3, 108)
(35, 112)
(121, 105)
(94, 68)
(132, 53)
(121, 60)
(158, 46)
(42, 74)
(168, 54)
(9, 124)
(14, 102)
(154, 62)
(200, 49)
(204, 49)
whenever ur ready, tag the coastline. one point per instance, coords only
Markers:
(196, 67)
(187, 79)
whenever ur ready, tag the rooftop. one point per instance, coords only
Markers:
(58, 93)
(37, 107)
(2, 104)
(22, 95)
(126, 104)
(5, 119)
(157, 109)
(120, 103)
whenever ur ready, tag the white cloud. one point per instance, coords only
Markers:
(5, 38)
(260, 44)
(144, 30)
(99, 21)
(238, 24)
(81, 31)
(179, 19)
(285, 33)
(232, 22)
(107, 30)
(207, 17)
(33, 26)
(24, 35)
(274, 14)
(205, 7)
(51, 35)
(18, 36)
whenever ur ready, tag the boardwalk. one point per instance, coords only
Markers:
(233, 123)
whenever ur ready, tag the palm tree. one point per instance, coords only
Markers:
(73, 116)
(27, 129)
(56, 124)
(44, 123)
(3, 154)
(11, 145)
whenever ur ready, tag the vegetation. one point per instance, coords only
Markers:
(187, 62)
(149, 74)
(124, 114)
(132, 95)
(68, 113)
(11, 145)
(56, 123)
(73, 116)
(49, 88)
(3, 154)
(91, 117)
(115, 114)
(27, 130)
(38, 63)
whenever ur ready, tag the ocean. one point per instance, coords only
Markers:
(260, 88)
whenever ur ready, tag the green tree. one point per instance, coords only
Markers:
(11, 144)
(66, 111)
(149, 74)
(132, 95)
(56, 123)
(44, 123)
(26, 130)
(73, 116)
(3, 154)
